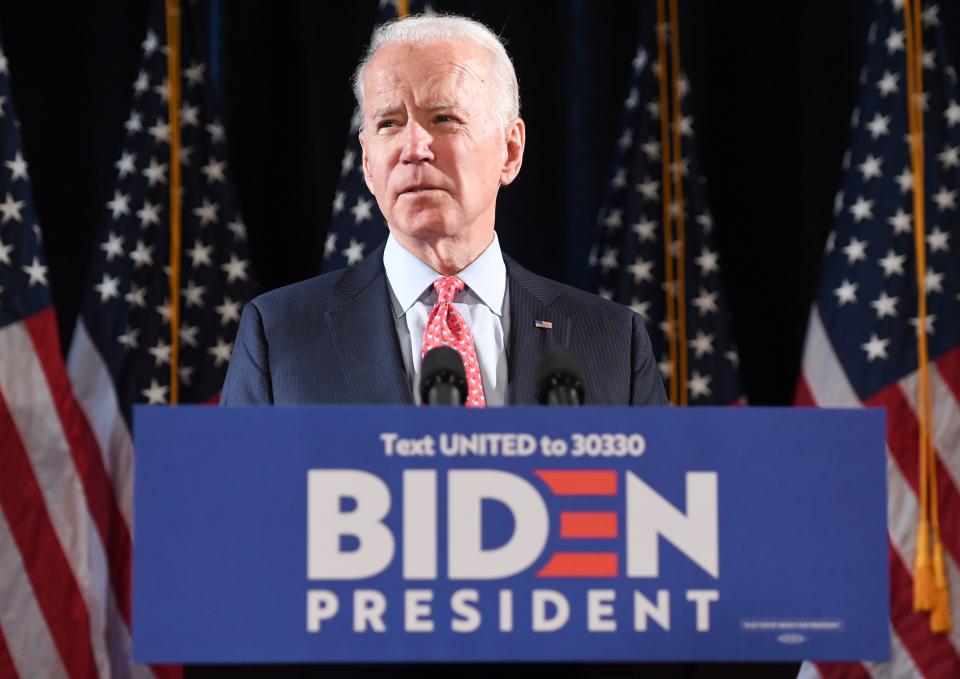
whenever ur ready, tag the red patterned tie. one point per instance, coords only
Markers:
(446, 327)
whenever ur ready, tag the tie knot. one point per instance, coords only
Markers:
(447, 288)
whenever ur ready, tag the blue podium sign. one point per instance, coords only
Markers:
(392, 534)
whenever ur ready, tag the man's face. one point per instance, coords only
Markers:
(434, 150)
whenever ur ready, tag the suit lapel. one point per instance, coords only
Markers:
(365, 335)
(530, 302)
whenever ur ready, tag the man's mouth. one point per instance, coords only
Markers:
(419, 188)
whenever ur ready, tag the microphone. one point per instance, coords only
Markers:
(443, 380)
(558, 378)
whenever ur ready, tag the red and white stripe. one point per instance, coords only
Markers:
(915, 650)
(65, 546)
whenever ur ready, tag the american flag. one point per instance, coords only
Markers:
(64, 543)
(861, 346)
(627, 261)
(121, 349)
(357, 226)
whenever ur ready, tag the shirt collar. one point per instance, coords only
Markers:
(408, 276)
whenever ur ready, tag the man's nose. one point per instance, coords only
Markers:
(416, 144)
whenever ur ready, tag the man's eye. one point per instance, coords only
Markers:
(386, 123)
(445, 119)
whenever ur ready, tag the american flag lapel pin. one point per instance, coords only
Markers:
(543, 325)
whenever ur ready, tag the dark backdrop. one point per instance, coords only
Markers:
(773, 86)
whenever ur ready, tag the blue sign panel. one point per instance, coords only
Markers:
(394, 534)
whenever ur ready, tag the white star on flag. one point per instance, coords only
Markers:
(207, 212)
(362, 210)
(229, 311)
(892, 264)
(188, 335)
(901, 222)
(221, 351)
(945, 199)
(11, 210)
(862, 209)
(856, 250)
(885, 305)
(119, 206)
(879, 126)
(160, 352)
(213, 170)
(129, 338)
(706, 302)
(645, 229)
(702, 344)
(156, 393)
(142, 255)
(707, 261)
(199, 254)
(193, 294)
(5, 250)
(641, 269)
(354, 252)
(875, 347)
(236, 269)
(113, 247)
(108, 288)
(846, 293)
(37, 273)
(155, 172)
(18, 167)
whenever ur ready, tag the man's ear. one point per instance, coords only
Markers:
(367, 176)
(513, 158)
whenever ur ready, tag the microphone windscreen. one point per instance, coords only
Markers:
(557, 366)
(441, 365)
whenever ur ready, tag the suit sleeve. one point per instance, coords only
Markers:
(248, 375)
(647, 385)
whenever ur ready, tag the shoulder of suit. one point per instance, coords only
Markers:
(325, 290)
(550, 291)
(300, 295)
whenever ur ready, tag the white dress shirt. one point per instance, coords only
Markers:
(483, 304)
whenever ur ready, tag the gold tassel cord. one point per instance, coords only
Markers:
(680, 293)
(931, 587)
(173, 119)
(403, 9)
(923, 567)
(940, 615)
(940, 619)
(666, 181)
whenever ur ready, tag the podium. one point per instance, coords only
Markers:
(402, 534)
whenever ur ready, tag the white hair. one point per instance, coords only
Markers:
(422, 30)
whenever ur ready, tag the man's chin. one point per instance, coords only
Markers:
(424, 228)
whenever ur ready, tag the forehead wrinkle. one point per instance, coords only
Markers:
(415, 79)
(386, 111)
(447, 78)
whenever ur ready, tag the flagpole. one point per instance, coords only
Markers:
(173, 117)
(665, 159)
(677, 172)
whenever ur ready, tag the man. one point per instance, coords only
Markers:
(441, 134)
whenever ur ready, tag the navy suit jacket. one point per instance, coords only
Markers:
(332, 339)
